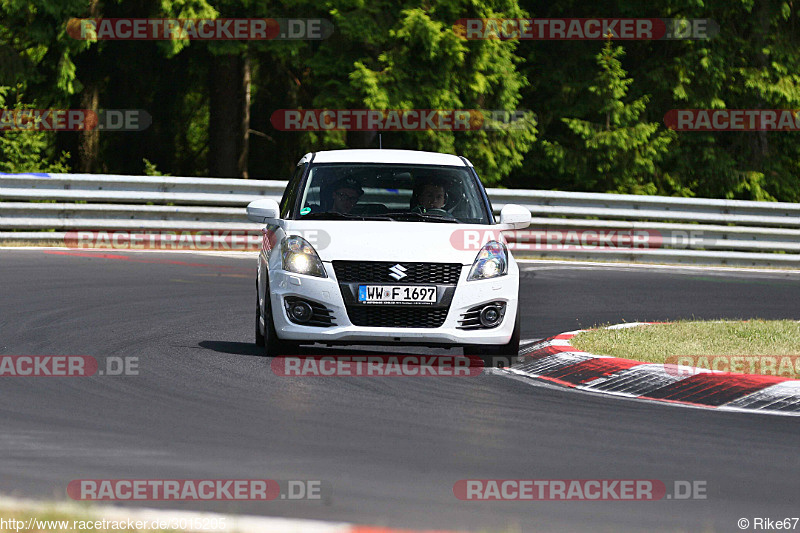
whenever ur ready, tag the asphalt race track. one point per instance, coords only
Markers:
(205, 405)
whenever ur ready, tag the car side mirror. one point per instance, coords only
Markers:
(263, 210)
(515, 216)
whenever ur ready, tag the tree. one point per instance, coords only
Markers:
(36, 71)
(752, 64)
(28, 151)
(620, 153)
(427, 65)
(390, 55)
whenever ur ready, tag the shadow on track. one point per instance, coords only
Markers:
(235, 348)
(249, 348)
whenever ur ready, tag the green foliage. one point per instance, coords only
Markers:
(28, 151)
(39, 53)
(599, 117)
(150, 169)
(183, 9)
(751, 64)
(25, 151)
(36, 71)
(428, 66)
(618, 153)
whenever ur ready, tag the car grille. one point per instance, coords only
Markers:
(378, 272)
(384, 316)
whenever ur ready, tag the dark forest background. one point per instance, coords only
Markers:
(600, 104)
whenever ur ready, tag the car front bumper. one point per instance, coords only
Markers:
(326, 291)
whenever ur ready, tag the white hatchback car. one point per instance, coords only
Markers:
(389, 247)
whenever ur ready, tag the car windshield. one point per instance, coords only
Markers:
(416, 193)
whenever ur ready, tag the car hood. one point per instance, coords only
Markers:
(357, 240)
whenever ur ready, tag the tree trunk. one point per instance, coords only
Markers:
(229, 118)
(89, 143)
(244, 151)
(761, 144)
(89, 140)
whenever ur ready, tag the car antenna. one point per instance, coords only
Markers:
(380, 141)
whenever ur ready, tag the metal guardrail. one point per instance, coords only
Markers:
(136, 189)
(679, 230)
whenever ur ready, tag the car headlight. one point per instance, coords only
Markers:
(491, 262)
(300, 257)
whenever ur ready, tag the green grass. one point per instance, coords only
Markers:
(33, 243)
(770, 347)
(526, 254)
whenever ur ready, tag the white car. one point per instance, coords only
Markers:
(389, 247)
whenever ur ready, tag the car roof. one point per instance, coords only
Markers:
(387, 156)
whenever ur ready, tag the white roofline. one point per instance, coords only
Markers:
(388, 156)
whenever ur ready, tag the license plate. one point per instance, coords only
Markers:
(378, 294)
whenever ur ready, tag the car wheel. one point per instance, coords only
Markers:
(273, 346)
(498, 356)
(259, 335)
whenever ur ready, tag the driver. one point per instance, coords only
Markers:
(346, 193)
(432, 194)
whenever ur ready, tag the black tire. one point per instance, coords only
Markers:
(273, 346)
(259, 335)
(498, 356)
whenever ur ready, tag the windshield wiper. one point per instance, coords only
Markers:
(333, 215)
(413, 215)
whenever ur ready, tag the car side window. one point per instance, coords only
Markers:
(290, 194)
